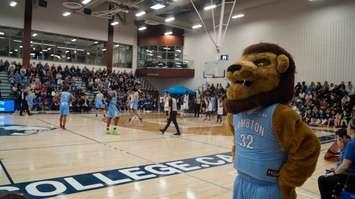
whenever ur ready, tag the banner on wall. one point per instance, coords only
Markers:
(7, 106)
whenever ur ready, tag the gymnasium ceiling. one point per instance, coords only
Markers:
(182, 10)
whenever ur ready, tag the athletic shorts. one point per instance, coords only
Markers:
(246, 187)
(99, 105)
(64, 109)
(113, 112)
(135, 106)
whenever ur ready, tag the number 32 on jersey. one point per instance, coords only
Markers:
(246, 141)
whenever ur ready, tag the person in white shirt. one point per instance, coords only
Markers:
(161, 103)
(219, 109)
(135, 106)
(209, 108)
(197, 104)
(166, 104)
(99, 101)
(172, 116)
(186, 102)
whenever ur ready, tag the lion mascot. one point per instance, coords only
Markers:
(274, 150)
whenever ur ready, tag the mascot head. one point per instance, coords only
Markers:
(262, 76)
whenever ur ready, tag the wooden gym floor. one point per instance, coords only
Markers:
(84, 148)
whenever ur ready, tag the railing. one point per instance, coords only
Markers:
(165, 63)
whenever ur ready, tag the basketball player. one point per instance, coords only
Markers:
(135, 104)
(65, 98)
(186, 103)
(99, 105)
(219, 109)
(172, 116)
(112, 113)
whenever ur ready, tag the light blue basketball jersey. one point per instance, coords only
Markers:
(258, 153)
(99, 98)
(112, 108)
(113, 103)
(65, 97)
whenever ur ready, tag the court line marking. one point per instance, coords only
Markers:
(187, 174)
(73, 132)
(191, 140)
(101, 142)
(6, 172)
(135, 140)
(71, 188)
(190, 175)
(201, 142)
(148, 160)
(45, 147)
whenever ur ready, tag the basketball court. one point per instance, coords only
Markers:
(85, 55)
(49, 155)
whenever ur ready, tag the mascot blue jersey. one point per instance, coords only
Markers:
(258, 154)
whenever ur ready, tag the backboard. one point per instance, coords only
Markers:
(215, 69)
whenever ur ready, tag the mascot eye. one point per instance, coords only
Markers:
(262, 62)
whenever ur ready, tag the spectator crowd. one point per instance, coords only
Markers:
(325, 105)
(41, 82)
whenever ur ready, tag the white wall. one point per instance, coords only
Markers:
(50, 20)
(320, 36)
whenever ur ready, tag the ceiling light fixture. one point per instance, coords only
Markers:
(168, 33)
(65, 14)
(141, 13)
(169, 19)
(73, 40)
(96, 42)
(197, 26)
(238, 16)
(210, 7)
(117, 45)
(104, 49)
(2, 33)
(114, 23)
(34, 35)
(13, 3)
(142, 28)
(85, 2)
(157, 6)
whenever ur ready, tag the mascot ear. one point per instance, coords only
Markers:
(282, 63)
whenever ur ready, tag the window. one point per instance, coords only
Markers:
(161, 56)
(62, 48)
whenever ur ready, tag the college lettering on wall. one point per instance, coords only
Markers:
(90, 181)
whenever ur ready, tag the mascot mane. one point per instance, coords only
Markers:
(282, 94)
